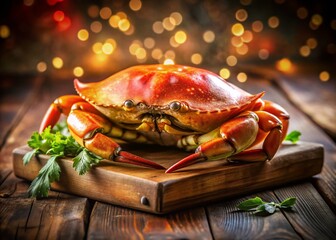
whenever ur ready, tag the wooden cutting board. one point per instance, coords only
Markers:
(156, 192)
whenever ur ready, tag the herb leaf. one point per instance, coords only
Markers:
(48, 174)
(293, 136)
(250, 204)
(258, 206)
(84, 161)
(288, 203)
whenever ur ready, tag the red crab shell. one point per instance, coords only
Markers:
(207, 99)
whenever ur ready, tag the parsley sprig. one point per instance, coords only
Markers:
(57, 143)
(293, 136)
(258, 206)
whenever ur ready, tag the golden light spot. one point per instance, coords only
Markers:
(180, 37)
(41, 66)
(93, 11)
(273, 22)
(284, 65)
(121, 14)
(196, 58)
(263, 54)
(112, 41)
(57, 62)
(173, 43)
(78, 71)
(241, 15)
(149, 42)
(124, 25)
(242, 50)
(83, 35)
(302, 12)
(231, 60)
(236, 41)
(305, 51)
(247, 36)
(177, 18)
(97, 48)
(105, 13)
(169, 54)
(157, 27)
(257, 26)
(135, 5)
(114, 21)
(312, 43)
(317, 19)
(324, 76)
(224, 73)
(237, 29)
(209, 36)
(4, 31)
(168, 62)
(242, 77)
(107, 48)
(157, 53)
(140, 53)
(168, 23)
(134, 46)
(96, 26)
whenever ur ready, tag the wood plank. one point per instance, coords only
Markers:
(126, 185)
(56, 217)
(311, 217)
(112, 222)
(228, 222)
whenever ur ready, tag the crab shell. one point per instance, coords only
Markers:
(193, 99)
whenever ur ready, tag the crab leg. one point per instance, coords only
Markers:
(236, 135)
(61, 105)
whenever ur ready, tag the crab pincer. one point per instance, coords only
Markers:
(91, 130)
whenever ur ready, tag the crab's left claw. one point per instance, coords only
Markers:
(91, 130)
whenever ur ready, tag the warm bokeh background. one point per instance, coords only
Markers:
(83, 38)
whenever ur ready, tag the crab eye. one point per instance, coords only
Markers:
(175, 106)
(129, 104)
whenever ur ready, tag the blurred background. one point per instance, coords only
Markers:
(72, 38)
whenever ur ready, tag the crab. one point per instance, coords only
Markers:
(191, 108)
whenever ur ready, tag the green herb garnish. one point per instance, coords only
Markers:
(258, 206)
(293, 136)
(57, 143)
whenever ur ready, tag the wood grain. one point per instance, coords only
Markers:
(112, 222)
(225, 219)
(127, 185)
(311, 216)
(57, 217)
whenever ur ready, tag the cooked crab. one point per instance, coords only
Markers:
(188, 107)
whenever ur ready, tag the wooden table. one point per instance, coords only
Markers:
(23, 102)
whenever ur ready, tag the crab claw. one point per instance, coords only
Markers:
(187, 161)
(126, 157)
